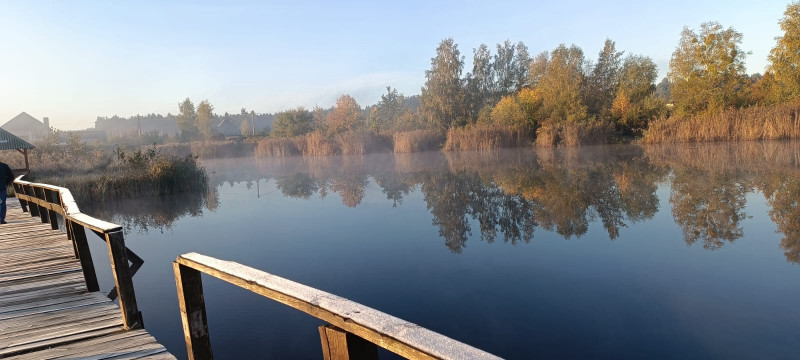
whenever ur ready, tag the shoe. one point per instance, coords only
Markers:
(3, 222)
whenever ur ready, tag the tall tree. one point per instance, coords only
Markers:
(186, 120)
(601, 84)
(523, 71)
(205, 119)
(560, 85)
(388, 110)
(480, 82)
(635, 102)
(443, 96)
(538, 67)
(785, 56)
(707, 70)
(505, 68)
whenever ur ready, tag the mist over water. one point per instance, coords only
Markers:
(687, 251)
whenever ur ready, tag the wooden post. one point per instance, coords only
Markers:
(83, 253)
(123, 280)
(193, 312)
(43, 214)
(22, 203)
(27, 166)
(338, 344)
(52, 197)
(33, 207)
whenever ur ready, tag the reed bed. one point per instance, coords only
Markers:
(573, 134)
(774, 122)
(417, 140)
(484, 138)
(209, 149)
(278, 147)
(363, 142)
(320, 144)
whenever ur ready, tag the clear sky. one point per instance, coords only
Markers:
(72, 61)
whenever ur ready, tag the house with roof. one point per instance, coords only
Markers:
(27, 127)
(228, 129)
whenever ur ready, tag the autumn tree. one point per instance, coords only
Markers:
(518, 111)
(292, 123)
(205, 119)
(537, 68)
(345, 116)
(443, 96)
(186, 120)
(707, 72)
(785, 56)
(635, 102)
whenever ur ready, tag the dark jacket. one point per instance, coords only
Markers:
(6, 174)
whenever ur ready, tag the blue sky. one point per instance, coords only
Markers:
(72, 61)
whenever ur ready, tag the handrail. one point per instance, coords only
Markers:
(48, 201)
(353, 327)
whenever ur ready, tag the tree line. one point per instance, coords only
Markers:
(508, 86)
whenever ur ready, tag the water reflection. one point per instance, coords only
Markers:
(510, 194)
(157, 213)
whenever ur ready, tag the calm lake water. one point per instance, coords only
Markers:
(687, 251)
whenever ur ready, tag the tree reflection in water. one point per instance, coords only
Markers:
(508, 194)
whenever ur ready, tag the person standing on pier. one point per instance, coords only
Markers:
(6, 176)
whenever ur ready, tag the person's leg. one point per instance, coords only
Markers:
(3, 195)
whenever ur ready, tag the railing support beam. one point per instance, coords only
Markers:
(131, 318)
(193, 312)
(82, 252)
(338, 344)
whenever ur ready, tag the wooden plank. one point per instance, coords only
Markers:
(45, 309)
(399, 336)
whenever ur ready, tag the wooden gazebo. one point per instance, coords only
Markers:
(9, 141)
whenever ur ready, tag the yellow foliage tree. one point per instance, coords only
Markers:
(346, 115)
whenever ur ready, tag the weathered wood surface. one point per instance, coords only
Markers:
(396, 335)
(46, 311)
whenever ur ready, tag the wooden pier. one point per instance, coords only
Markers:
(50, 306)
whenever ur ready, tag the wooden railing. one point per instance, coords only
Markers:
(353, 332)
(48, 201)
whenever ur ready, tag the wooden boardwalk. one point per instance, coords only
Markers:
(46, 311)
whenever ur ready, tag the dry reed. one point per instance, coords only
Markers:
(754, 123)
(484, 138)
(572, 134)
(417, 140)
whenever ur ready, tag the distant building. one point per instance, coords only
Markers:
(227, 129)
(27, 127)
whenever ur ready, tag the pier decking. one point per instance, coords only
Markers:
(46, 311)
